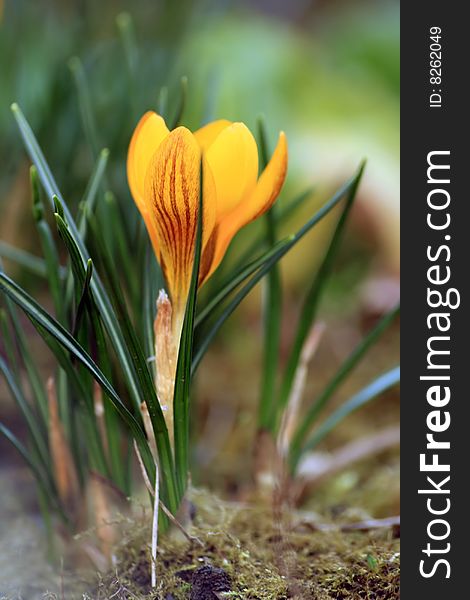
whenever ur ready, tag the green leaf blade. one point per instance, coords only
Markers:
(283, 249)
(44, 322)
(314, 294)
(272, 311)
(183, 368)
(104, 305)
(373, 390)
(344, 370)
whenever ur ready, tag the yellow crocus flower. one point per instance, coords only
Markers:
(163, 173)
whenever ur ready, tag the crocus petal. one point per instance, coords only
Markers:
(233, 159)
(259, 201)
(148, 135)
(268, 187)
(206, 135)
(163, 174)
(171, 193)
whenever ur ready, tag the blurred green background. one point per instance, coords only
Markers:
(325, 72)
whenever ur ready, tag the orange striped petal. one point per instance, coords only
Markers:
(206, 135)
(171, 193)
(233, 160)
(148, 135)
(258, 202)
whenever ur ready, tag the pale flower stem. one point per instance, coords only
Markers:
(290, 416)
(166, 354)
(155, 527)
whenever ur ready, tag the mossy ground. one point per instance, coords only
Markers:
(266, 560)
(265, 557)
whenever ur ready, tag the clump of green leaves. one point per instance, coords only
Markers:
(276, 396)
(101, 334)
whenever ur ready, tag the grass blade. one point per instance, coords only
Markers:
(312, 299)
(183, 369)
(34, 377)
(127, 34)
(94, 442)
(102, 301)
(162, 102)
(86, 305)
(53, 268)
(370, 392)
(112, 429)
(121, 245)
(182, 102)
(21, 449)
(32, 263)
(84, 420)
(152, 277)
(48, 246)
(126, 28)
(9, 346)
(87, 205)
(282, 251)
(345, 369)
(43, 321)
(37, 472)
(84, 102)
(36, 432)
(280, 217)
(146, 383)
(272, 311)
(237, 279)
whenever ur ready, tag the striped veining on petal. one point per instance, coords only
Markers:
(172, 190)
(168, 198)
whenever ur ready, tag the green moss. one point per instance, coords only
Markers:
(264, 559)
